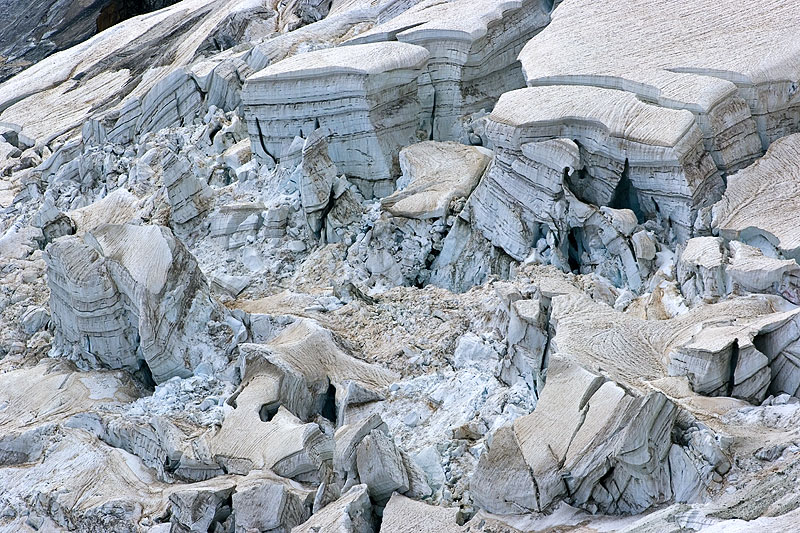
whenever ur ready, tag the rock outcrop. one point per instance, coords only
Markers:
(354, 266)
(31, 32)
(110, 86)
